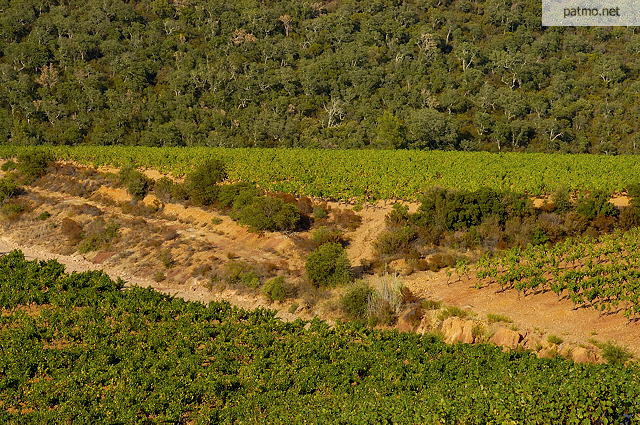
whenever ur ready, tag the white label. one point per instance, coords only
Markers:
(590, 13)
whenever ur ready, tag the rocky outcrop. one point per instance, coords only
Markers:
(583, 355)
(506, 338)
(409, 320)
(456, 329)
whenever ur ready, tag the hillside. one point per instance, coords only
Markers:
(78, 348)
(149, 229)
(419, 74)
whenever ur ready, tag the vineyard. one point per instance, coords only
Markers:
(79, 349)
(375, 174)
(602, 273)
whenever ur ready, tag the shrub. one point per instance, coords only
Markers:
(159, 276)
(355, 301)
(347, 219)
(98, 234)
(495, 318)
(228, 194)
(320, 213)
(386, 300)
(32, 165)
(12, 210)
(629, 217)
(44, 215)
(399, 215)
(441, 260)
(166, 259)
(539, 237)
(137, 184)
(8, 189)
(561, 199)
(240, 273)
(431, 304)
(452, 311)
(554, 339)
(595, 204)
(395, 241)
(9, 166)
(169, 191)
(633, 191)
(615, 354)
(453, 210)
(202, 183)
(328, 265)
(266, 213)
(277, 289)
(324, 234)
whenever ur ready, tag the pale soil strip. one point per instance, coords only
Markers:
(544, 311)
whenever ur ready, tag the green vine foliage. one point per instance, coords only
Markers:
(77, 348)
(370, 174)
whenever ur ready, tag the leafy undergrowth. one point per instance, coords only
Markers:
(79, 349)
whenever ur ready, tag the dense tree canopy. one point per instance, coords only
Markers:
(427, 74)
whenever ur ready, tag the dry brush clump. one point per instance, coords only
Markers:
(386, 299)
(378, 302)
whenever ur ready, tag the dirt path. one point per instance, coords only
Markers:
(544, 311)
(361, 245)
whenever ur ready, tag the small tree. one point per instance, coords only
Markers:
(202, 183)
(390, 132)
(137, 184)
(328, 265)
(32, 165)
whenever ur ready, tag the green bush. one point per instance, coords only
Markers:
(399, 215)
(240, 273)
(44, 215)
(615, 354)
(266, 213)
(11, 210)
(32, 165)
(633, 192)
(496, 318)
(595, 204)
(97, 235)
(169, 191)
(325, 234)
(355, 301)
(395, 241)
(9, 166)
(277, 289)
(244, 192)
(629, 217)
(137, 184)
(8, 189)
(456, 210)
(431, 304)
(452, 311)
(202, 183)
(561, 200)
(328, 265)
(554, 339)
(320, 213)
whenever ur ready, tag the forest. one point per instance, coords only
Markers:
(421, 74)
